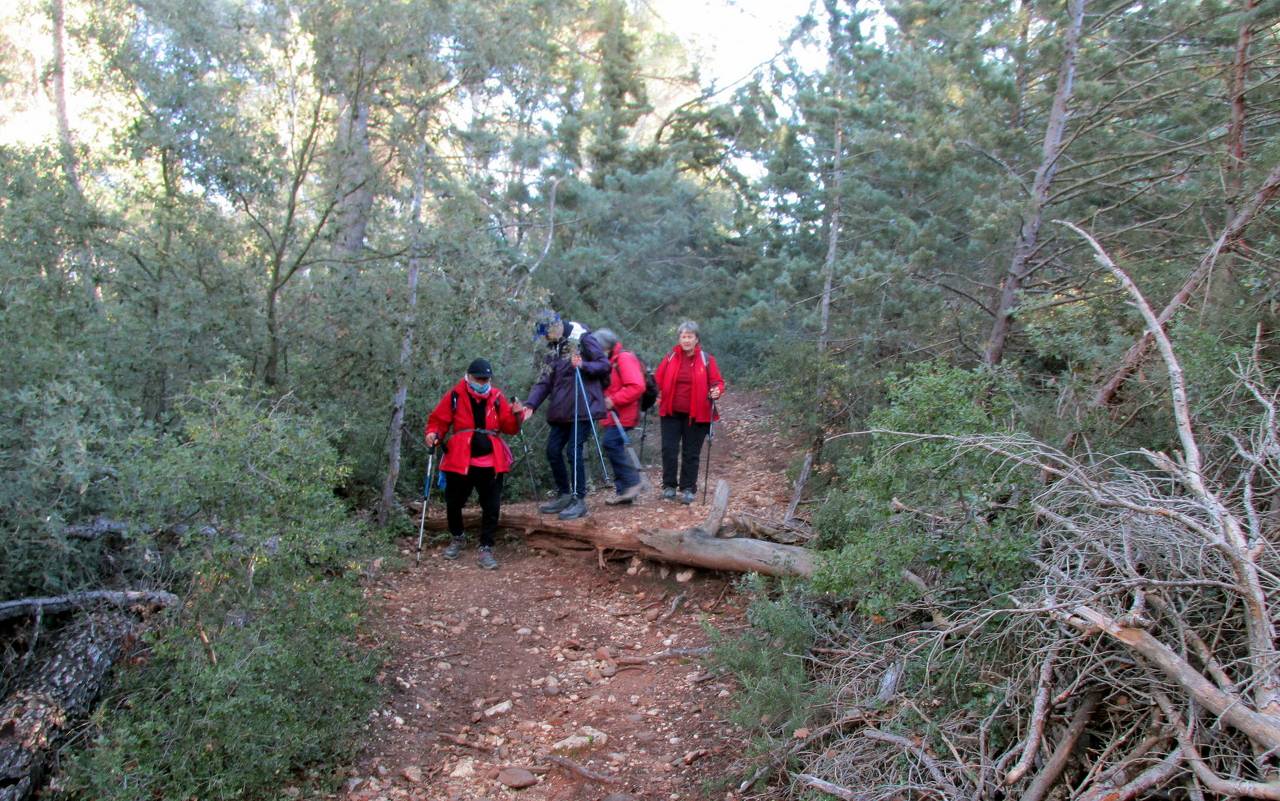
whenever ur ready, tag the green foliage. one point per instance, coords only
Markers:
(58, 449)
(288, 689)
(777, 693)
(248, 466)
(258, 672)
(921, 504)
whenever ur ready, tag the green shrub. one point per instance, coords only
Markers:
(288, 688)
(921, 504)
(58, 445)
(257, 673)
(777, 694)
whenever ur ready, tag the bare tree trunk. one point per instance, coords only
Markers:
(396, 432)
(63, 603)
(354, 184)
(85, 260)
(1222, 280)
(58, 77)
(833, 235)
(1029, 233)
(1138, 351)
(271, 368)
(282, 266)
(1020, 74)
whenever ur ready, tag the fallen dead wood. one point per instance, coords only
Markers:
(60, 690)
(827, 787)
(691, 546)
(670, 653)
(95, 529)
(719, 505)
(574, 767)
(61, 603)
(760, 528)
(801, 480)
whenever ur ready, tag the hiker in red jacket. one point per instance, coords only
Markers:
(622, 399)
(688, 382)
(475, 456)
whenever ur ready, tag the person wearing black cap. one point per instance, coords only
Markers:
(475, 455)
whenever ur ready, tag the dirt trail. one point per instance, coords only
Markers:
(489, 671)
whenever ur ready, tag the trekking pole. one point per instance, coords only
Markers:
(528, 461)
(574, 483)
(711, 436)
(644, 429)
(604, 471)
(626, 444)
(426, 501)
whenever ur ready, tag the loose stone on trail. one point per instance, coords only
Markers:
(517, 778)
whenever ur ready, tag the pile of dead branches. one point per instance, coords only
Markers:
(1140, 661)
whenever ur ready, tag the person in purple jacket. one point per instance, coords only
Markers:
(572, 405)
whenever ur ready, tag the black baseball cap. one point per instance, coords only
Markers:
(480, 369)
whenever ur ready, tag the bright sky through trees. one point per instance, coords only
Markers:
(730, 39)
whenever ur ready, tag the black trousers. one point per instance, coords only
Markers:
(682, 448)
(457, 489)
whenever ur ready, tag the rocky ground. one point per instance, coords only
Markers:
(557, 678)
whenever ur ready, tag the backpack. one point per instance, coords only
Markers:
(650, 395)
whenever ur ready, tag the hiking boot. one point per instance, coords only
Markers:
(687, 497)
(626, 496)
(485, 558)
(558, 505)
(576, 508)
(668, 493)
(454, 548)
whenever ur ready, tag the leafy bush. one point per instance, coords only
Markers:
(776, 695)
(920, 505)
(58, 445)
(258, 673)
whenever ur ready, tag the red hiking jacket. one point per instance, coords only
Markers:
(458, 417)
(626, 385)
(705, 376)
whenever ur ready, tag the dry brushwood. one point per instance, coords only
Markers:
(1146, 629)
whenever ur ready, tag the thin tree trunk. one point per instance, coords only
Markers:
(1234, 230)
(1222, 279)
(354, 183)
(396, 432)
(280, 270)
(58, 77)
(85, 260)
(1020, 73)
(1235, 131)
(271, 369)
(833, 236)
(1029, 233)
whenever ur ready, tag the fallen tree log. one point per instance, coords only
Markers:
(696, 546)
(61, 603)
(760, 528)
(59, 691)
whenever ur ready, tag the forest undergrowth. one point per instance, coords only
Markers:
(998, 615)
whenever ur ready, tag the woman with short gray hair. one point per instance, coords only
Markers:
(689, 383)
